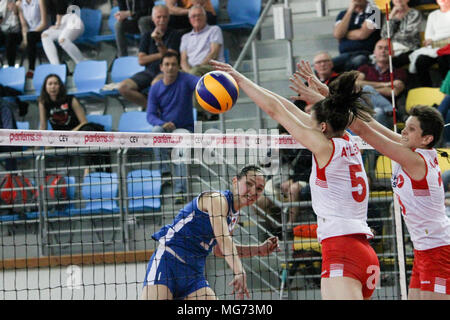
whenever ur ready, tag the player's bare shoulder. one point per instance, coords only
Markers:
(212, 202)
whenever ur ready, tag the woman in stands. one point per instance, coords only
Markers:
(33, 19)
(63, 111)
(177, 268)
(67, 28)
(404, 29)
(417, 182)
(338, 182)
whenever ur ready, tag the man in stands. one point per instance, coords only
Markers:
(153, 46)
(131, 18)
(179, 13)
(376, 80)
(357, 33)
(170, 110)
(199, 46)
(323, 67)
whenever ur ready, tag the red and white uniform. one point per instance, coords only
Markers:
(422, 203)
(340, 192)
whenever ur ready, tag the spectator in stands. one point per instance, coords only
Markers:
(153, 46)
(376, 80)
(63, 111)
(404, 29)
(179, 13)
(323, 68)
(33, 19)
(357, 34)
(10, 36)
(198, 47)
(67, 28)
(437, 36)
(170, 110)
(202, 44)
(132, 17)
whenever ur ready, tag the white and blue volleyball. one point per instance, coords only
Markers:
(217, 92)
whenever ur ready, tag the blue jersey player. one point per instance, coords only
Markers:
(177, 268)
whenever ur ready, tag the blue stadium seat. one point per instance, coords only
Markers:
(134, 121)
(100, 188)
(142, 184)
(9, 217)
(111, 22)
(89, 77)
(23, 125)
(104, 119)
(92, 19)
(243, 14)
(123, 68)
(13, 78)
(41, 72)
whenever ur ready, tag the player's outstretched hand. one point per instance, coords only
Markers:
(225, 67)
(305, 71)
(269, 246)
(305, 93)
(239, 284)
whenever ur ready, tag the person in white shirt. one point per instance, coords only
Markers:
(338, 181)
(33, 20)
(67, 29)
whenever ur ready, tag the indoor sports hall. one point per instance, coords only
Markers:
(80, 209)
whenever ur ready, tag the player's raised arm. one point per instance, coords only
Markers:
(271, 104)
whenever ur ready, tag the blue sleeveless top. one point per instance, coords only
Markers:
(190, 236)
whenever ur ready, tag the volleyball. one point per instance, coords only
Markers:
(217, 92)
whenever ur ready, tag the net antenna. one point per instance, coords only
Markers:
(391, 69)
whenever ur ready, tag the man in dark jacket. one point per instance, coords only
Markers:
(132, 17)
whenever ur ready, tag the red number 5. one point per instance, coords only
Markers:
(360, 195)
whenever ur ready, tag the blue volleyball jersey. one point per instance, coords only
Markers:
(190, 237)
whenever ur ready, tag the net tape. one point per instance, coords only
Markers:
(252, 140)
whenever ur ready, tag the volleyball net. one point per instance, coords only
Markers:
(78, 210)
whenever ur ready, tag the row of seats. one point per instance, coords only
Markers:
(89, 78)
(100, 191)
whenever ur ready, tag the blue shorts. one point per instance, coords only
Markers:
(181, 278)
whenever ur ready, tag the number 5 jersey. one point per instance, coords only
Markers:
(340, 192)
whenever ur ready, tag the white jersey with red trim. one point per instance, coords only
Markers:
(340, 192)
(422, 203)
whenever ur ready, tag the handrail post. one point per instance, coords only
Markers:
(253, 34)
